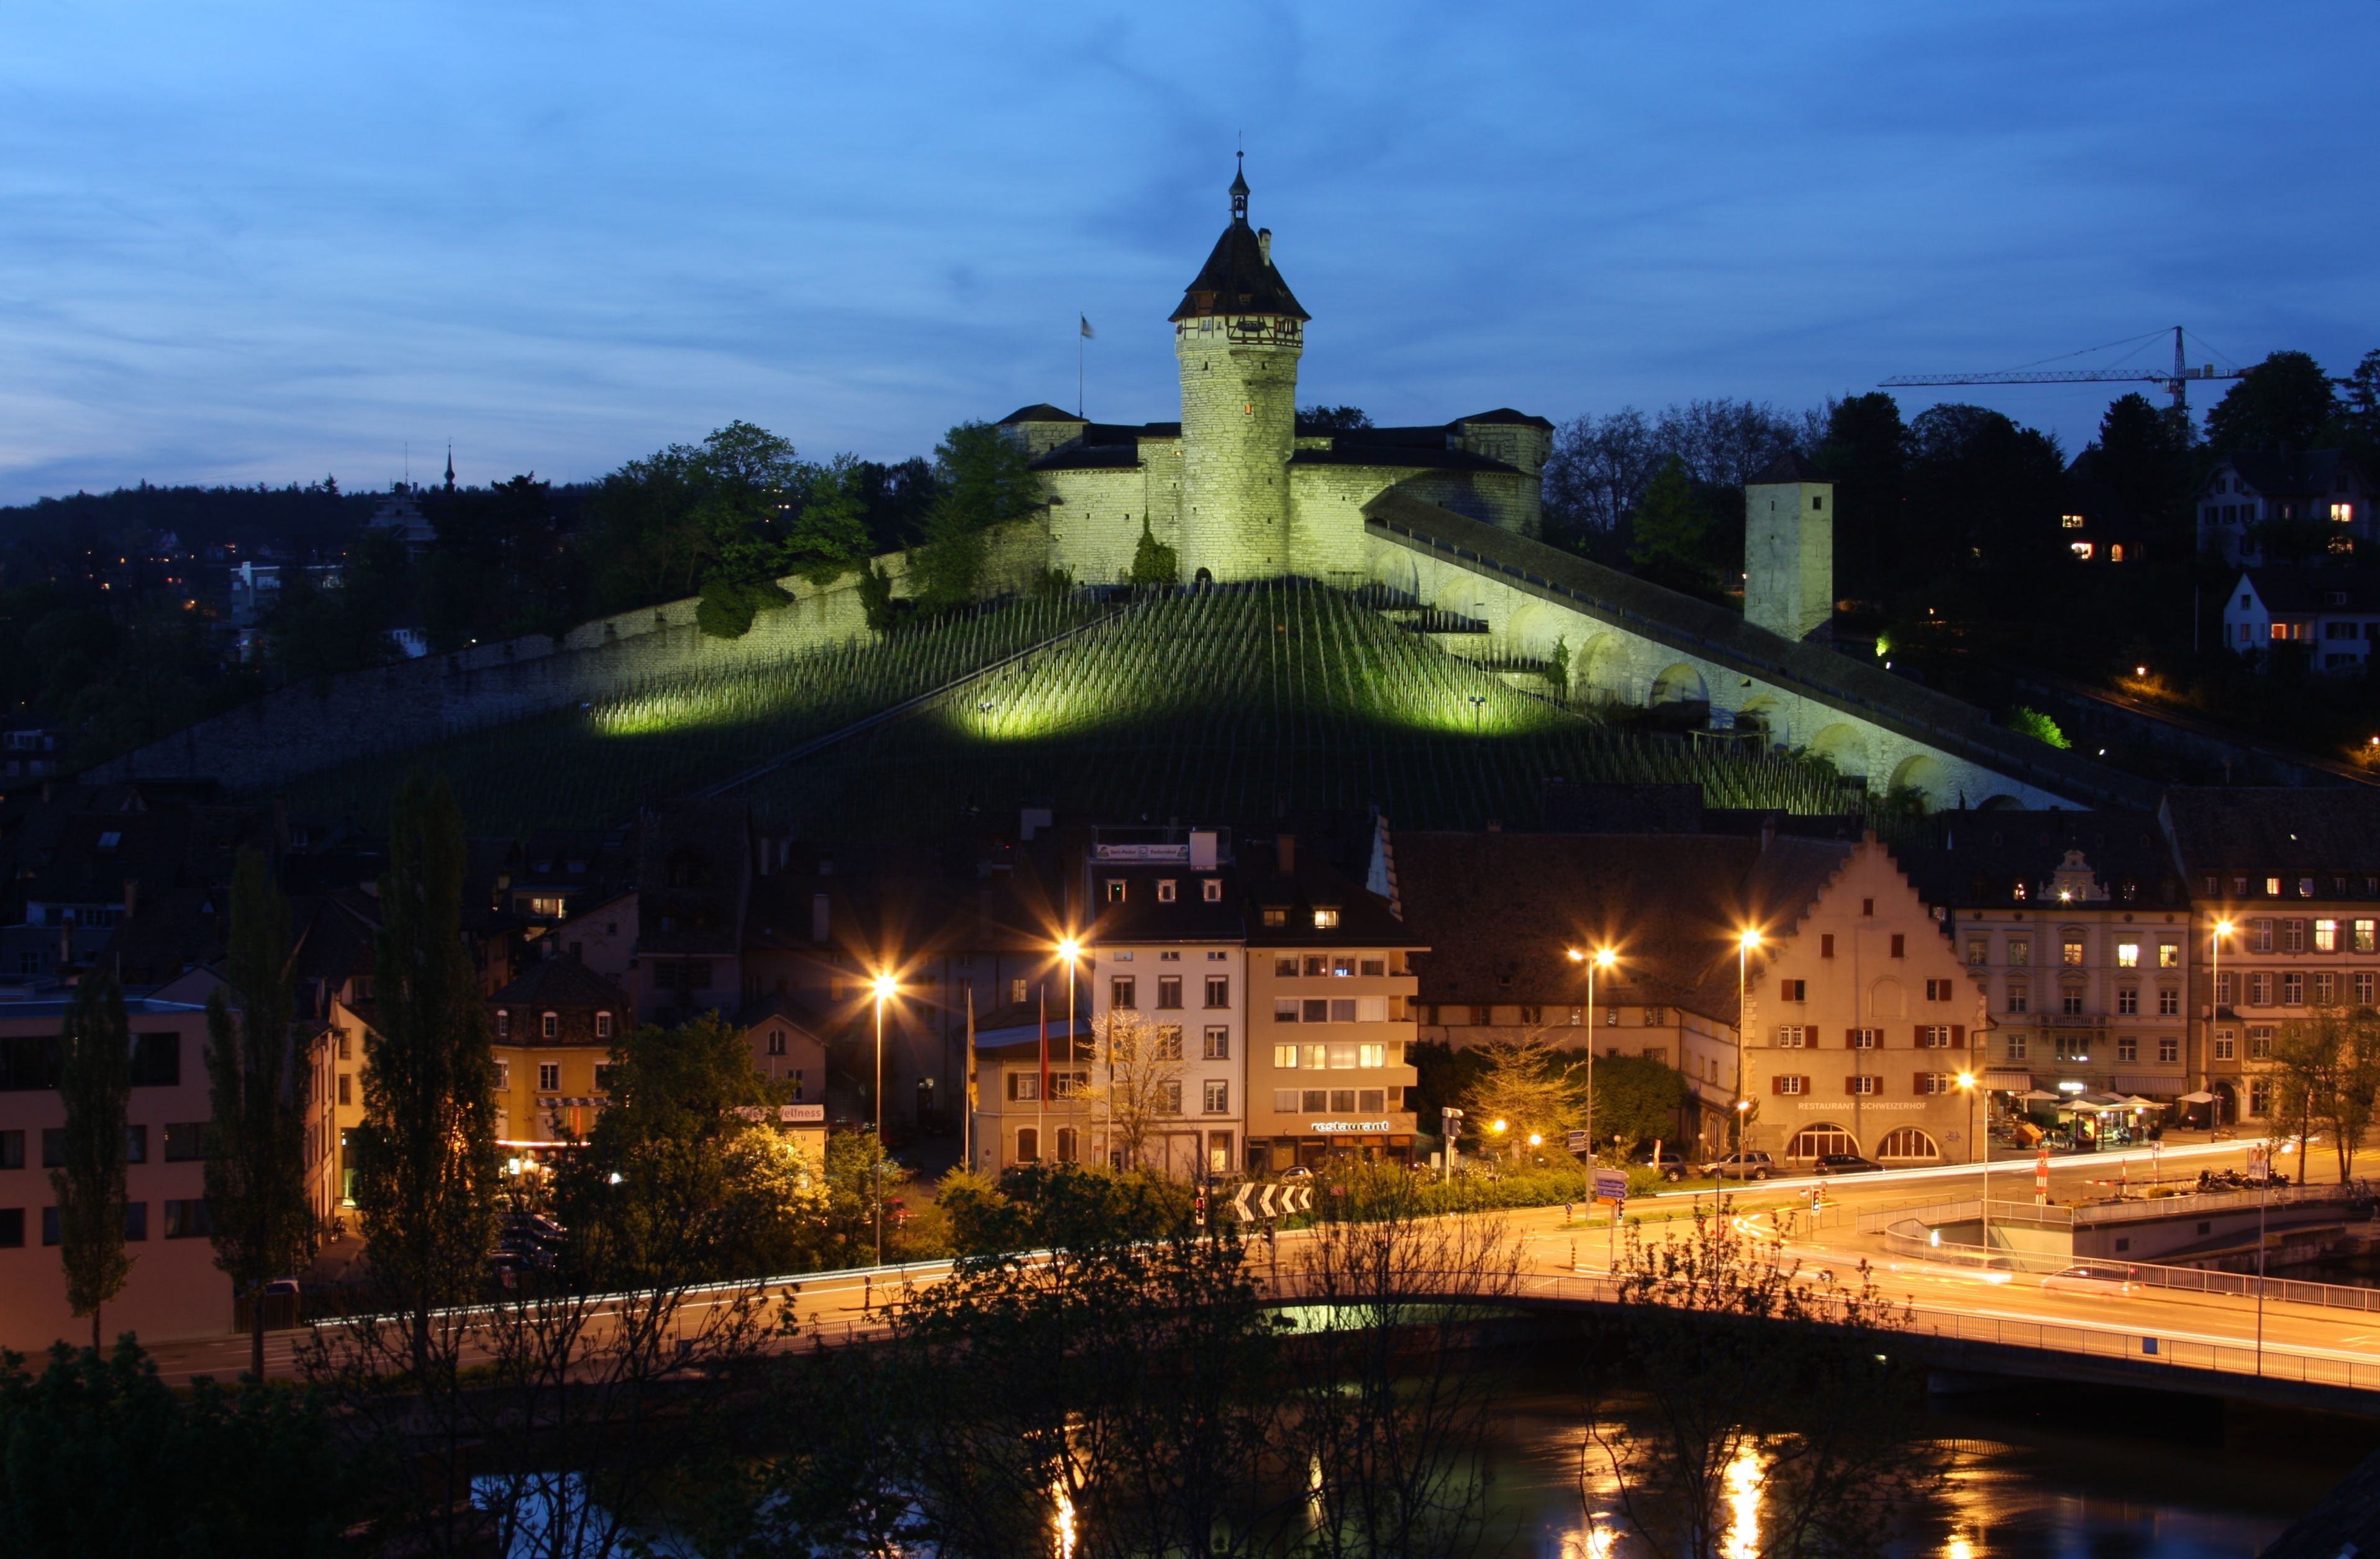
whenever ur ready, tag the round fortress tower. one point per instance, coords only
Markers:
(1237, 337)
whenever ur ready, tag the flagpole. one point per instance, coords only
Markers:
(966, 1128)
(1079, 373)
(1041, 1094)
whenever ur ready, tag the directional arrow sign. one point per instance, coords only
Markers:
(1239, 1201)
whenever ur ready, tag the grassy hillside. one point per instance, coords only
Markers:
(1229, 706)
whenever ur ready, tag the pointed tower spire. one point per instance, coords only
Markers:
(450, 465)
(1240, 188)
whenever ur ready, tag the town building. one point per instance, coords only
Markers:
(554, 1030)
(2250, 488)
(2328, 617)
(175, 1289)
(2295, 876)
(1856, 1018)
(1330, 981)
(2078, 926)
(1033, 1080)
(1169, 944)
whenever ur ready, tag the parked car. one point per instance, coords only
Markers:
(1844, 1164)
(1669, 1162)
(2091, 1280)
(1741, 1166)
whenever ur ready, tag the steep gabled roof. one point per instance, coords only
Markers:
(1792, 465)
(562, 982)
(2311, 590)
(1039, 411)
(2291, 474)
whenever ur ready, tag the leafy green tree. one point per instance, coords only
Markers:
(316, 630)
(1529, 1087)
(1866, 455)
(2143, 455)
(2032, 723)
(683, 1178)
(2285, 402)
(729, 607)
(2326, 1077)
(1671, 529)
(1335, 419)
(1153, 563)
(1558, 668)
(261, 1222)
(425, 1154)
(1638, 1099)
(95, 1085)
(830, 534)
(99, 1456)
(1073, 1207)
(985, 481)
(1984, 494)
(876, 597)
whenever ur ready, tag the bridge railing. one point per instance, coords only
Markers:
(1880, 1220)
(2269, 1363)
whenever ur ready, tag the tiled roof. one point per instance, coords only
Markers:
(2299, 474)
(2287, 831)
(1975, 860)
(1505, 415)
(1039, 411)
(2312, 589)
(1400, 456)
(1500, 911)
(562, 982)
(1238, 279)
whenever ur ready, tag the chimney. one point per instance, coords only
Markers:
(1264, 244)
(819, 918)
(1285, 848)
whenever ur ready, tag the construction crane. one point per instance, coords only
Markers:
(2176, 381)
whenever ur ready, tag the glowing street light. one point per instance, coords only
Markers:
(1601, 959)
(1070, 947)
(885, 988)
(1746, 940)
(1973, 1085)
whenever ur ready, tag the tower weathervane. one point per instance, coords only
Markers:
(1240, 188)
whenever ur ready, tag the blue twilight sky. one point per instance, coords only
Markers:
(250, 241)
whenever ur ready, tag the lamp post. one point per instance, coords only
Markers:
(2214, 1010)
(885, 990)
(1070, 949)
(1601, 959)
(1744, 944)
(1973, 1085)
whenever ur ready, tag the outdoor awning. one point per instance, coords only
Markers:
(2007, 1082)
(2146, 1085)
(2201, 1097)
(2037, 1097)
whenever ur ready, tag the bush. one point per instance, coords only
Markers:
(728, 606)
(1068, 1207)
(98, 1455)
(2039, 727)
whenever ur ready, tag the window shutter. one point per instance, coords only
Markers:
(1917, 1036)
(1958, 1036)
(1851, 1038)
(1776, 1083)
(1850, 1090)
(1918, 1085)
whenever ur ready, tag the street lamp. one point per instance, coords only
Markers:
(1601, 959)
(1744, 942)
(1070, 948)
(1973, 1085)
(2214, 1010)
(886, 988)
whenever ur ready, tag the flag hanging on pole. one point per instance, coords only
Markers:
(1088, 333)
(966, 1131)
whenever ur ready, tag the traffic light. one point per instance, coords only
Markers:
(1198, 1206)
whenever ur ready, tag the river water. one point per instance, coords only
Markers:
(2079, 1477)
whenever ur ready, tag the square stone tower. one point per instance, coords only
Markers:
(1237, 336)
(1789, 549)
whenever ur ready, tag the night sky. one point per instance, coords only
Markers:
(245, 243)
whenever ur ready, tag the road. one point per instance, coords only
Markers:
(1555, 1246)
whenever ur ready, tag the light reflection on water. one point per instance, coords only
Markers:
(2050, 1497)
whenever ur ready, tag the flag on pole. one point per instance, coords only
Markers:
(1045, 1042)
(966, 1131)
(1088, 333)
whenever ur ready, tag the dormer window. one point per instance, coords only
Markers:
(1116, 890)
(1276, 915)
(1211, 890)
(504, 1024)
(1165, 889)
(1325, 919)
(549, 1026)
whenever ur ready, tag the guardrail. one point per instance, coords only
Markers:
(1874, 1220)
(2059, 1215)
(2269, 1363)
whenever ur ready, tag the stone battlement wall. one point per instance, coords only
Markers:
(297, 729)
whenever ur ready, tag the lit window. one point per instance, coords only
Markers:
(2342, 513)
(2128, 955)
(2082, 550)
(2072, 521)
(2168, 955)
(2115, 553)
(2326, 936)
(1326, 919)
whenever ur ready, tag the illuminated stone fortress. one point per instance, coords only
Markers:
(1239, 488)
